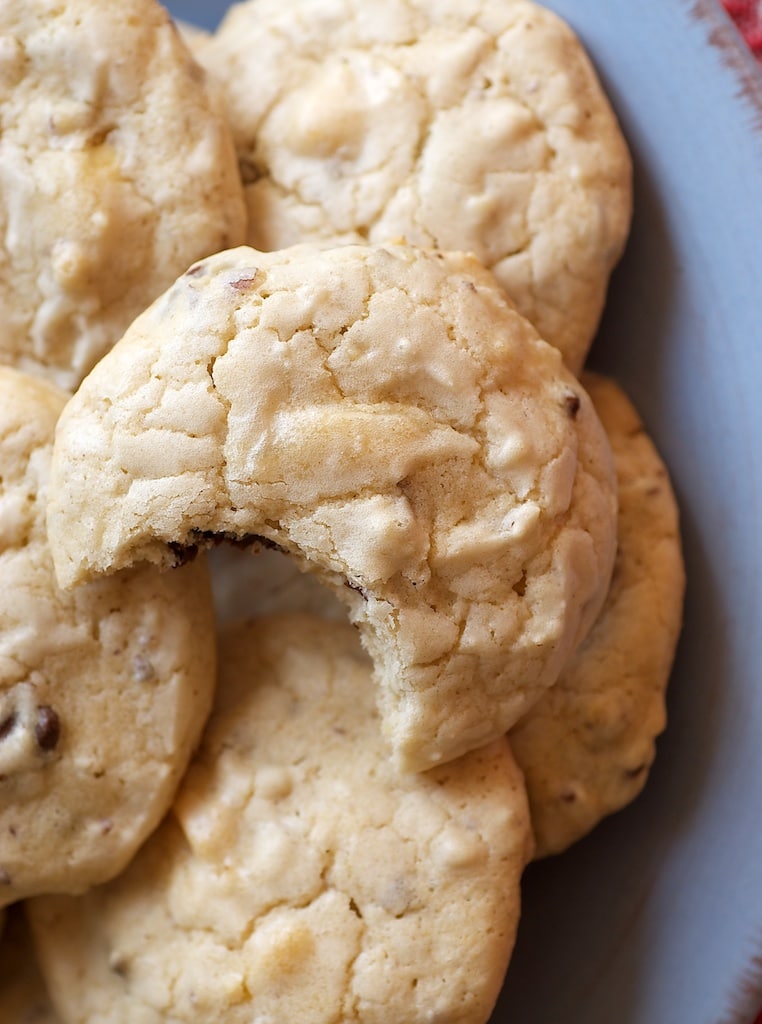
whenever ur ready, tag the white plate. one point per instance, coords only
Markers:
(656, 918)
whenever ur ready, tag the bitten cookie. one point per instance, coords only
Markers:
(387, 417)
(103, 690)
(587, 745)
(299, 877)
(116, 172)
(477, 126)
(23, 998)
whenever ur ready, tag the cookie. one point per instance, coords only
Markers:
(387, 417)
(116, 173)
(477, 126)
(299, 877)
(587, 745)
(23, 998)
(103, 690)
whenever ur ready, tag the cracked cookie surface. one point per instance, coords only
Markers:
(587, 745)
(103, 690)
(116, 172)
(299, 877)
(388, 418)
(476, 126)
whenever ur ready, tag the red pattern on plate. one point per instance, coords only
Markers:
(747, 14)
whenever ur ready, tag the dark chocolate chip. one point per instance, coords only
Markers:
(249, 171)
(8, 725)
(572, 404)
(47, 732)
(182, 553)
(520, 586)
(356, 587)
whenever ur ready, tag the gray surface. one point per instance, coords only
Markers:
(654, 918)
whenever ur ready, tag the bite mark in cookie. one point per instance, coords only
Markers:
(388, 418)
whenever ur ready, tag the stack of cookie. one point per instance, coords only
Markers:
(444, 647)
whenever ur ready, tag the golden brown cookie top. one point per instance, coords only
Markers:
(103, 690)
(477, 126)
(116, 173)
(299, 876)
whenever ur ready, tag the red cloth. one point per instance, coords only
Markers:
(747, 14)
